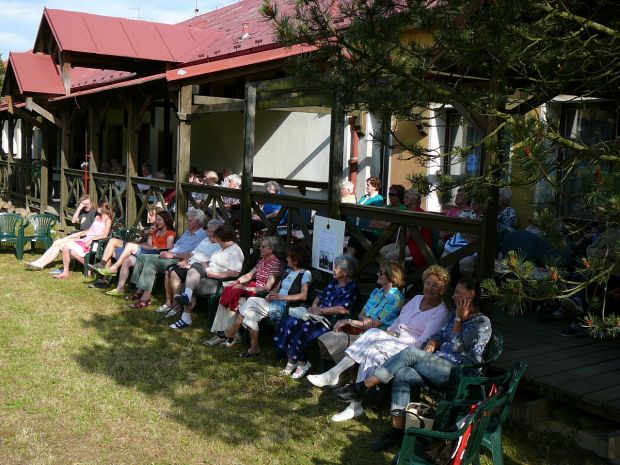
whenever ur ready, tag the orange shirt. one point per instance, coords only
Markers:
(161, 242)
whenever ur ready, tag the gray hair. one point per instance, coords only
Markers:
(272, 242)
(346, 263)
(274, 185)
(348, 185)
(197, 214)
(215, 223)
(416, 195)
(505, 194)
(234, 178)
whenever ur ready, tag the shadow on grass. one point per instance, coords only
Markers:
(219, 395)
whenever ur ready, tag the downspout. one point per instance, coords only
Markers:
(353, 156)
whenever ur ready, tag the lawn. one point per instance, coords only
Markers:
(86, 380)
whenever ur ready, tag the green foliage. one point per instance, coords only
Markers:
(495, 63)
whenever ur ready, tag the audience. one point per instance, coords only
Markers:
(294, 336)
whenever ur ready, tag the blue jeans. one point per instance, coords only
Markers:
(412, 367)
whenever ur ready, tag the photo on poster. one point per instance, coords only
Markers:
(327, 242)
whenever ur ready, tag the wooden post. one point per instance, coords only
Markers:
(248, 168)
(43, 194)
(66, 72)
(11, 135)
(65, 144)
(94, 136)
(26, 158)
(336, 150)
(184, 150)
(132, 162)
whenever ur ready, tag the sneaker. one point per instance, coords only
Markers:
(172, 312)
(572, 331)
(180, 325)
(352, 392)
(115, 292)
(392, 438)
(33, 267)
(163, 308)
(99, 284)
(231, 341)
(353, 410)
(182, 299)
(322, 380)
(215, 340)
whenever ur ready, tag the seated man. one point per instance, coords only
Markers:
(147, 266)
(176, 274)
(83, 217)
(202, 278)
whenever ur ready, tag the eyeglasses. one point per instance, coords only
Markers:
(432, 285)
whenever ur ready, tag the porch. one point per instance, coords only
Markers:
(580, 371)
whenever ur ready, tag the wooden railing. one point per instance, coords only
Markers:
(154, 195)
(112, 188)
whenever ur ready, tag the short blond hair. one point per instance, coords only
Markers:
(394, 272)
(439, 271)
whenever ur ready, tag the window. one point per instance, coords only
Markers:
(459, 134)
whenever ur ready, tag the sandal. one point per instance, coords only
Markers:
(288, 369)
(133, 297)
(141, 304)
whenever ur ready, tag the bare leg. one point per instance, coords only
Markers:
(110, 247)
(233, 329)
(130, 250)
(49, 256)
(66, 262)
(173, 286)
(124, 273)
(254, 347)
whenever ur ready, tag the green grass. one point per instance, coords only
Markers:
(86, 380)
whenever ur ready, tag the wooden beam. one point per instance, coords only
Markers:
(248, 168)
(24, 115)
(132, 163)
(305, 100)
(209, 100)
(35, 107)
(184, 152)
(65, 144)
(143, 109)
(65, 70)
(94, 136)
(219, 107)
(43, 195)
(336, 149)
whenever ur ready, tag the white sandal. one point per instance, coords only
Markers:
(301, 370)
(289, 369)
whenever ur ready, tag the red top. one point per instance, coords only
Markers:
(267, 267)
(416, 254)
(161, 241)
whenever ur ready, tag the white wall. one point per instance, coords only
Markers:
(292, 145)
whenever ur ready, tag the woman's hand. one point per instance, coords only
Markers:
(272, 296)
(431, 346)
(314, 310)
(464, 307)
(341, 324)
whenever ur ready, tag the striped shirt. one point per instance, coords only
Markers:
(267, 267)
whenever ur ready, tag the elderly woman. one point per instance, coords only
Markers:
(161, 237)
(420, 318)
(77, 249)
(293, 288)
(347, 192)
(460, 341)
(259, 279)
(270, 210)
(202, 278)
(294, 336)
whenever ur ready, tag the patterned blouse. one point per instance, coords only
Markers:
(384, 308)
(467, 347)
(507, 220)
(335, 296)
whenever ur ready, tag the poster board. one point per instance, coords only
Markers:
(327, 242)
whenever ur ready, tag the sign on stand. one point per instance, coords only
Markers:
(327, 242)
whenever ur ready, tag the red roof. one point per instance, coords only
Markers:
(106, 35)
(236, 62)
(35, 74)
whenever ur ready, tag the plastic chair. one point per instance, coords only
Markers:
(12, 231)
(417, 440)
(492, 437)
(96, 252)
(43, 224)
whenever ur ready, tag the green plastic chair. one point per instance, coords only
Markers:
(43, 224)
(126, 235)
(492, 437)
(12, 231)
(417, 440)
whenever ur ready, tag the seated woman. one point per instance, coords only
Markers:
(202, 278)
(270, 210)
(293, 336)
(161, 238)
(77, 249)
(261, 278)
(421, 317)
(460, 341)
(293, 288)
